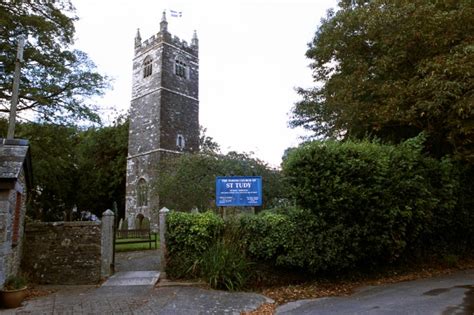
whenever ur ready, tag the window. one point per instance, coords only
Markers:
(147, 67)
(142, 193)
(180, 142)
(180, 68)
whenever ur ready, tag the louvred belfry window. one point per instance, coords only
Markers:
(181, 69)
(147, 67)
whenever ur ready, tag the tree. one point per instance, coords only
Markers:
(55, 80)
(102, 162)
(75, 167)
(188, 181)
(392, 69)
(207, 143)
(55, 173)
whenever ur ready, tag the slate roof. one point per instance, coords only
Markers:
(14, 154)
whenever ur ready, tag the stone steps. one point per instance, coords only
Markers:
(132, 278)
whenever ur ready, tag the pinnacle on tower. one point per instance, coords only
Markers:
(194, 40)
(138, 39)
(163, 23)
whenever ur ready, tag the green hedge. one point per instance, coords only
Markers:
(188, 236)
(363, 204)
(357, 204)
(264, 235)
(199, 248)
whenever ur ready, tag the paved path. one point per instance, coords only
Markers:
(135, 268)
(137, 260)
(140, 300)
(130, 291)
(132, 278)
(445, 295)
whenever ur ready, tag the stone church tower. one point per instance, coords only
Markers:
(164, 114)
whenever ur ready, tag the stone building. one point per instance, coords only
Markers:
(164, 114)
(15, 181)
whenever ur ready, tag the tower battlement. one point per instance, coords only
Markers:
(164, 36)
(167, 38)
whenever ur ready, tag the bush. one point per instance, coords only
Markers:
(358, 204)
(452, 221)
(189, 235)
(367, 204)
(202, 245)
(224, 266)
(265, 236)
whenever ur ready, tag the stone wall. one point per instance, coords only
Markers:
(11, 249)
(63, 252)
(6, 210)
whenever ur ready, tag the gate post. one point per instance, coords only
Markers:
(107, 251)
(163, 250)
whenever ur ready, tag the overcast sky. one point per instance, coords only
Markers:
(251, 58)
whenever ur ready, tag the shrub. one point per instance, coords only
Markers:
(452, 221)
(202, 245)
(367, 203)
(265, 236)
(189, 235)
(224, 266)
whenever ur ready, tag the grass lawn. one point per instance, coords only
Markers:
(138, 246)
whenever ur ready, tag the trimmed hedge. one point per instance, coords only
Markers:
(357, 204)
(188, 236)
(361, 204)
(265, 235)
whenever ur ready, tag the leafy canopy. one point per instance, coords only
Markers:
(55, 80)
(188, 181)
(392, 69)
(75, 167)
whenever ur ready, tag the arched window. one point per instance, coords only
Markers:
(180, 143)
(142, 193)
(147, 67)
(180, 68)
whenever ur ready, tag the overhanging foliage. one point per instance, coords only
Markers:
(393, 69)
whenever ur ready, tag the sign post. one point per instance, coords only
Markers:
(239, 191)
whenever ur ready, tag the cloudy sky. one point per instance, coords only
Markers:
(251, 59)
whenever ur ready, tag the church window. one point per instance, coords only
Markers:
(147, 67)
(142, 193)
(180, 142)
(181, 69)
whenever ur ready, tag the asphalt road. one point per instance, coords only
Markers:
(453, 294)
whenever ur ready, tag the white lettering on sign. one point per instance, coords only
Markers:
(242, 185)
(237, 185)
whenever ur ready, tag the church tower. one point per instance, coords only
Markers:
(164, 114)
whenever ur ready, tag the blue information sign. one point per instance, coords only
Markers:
(239, 191)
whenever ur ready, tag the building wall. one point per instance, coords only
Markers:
(138, 167)
(144, 130)
(179, 117)
(164, 105)
(63, 252)
(10, 252)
